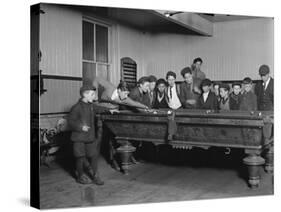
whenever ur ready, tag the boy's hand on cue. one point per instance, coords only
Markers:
(85, 128)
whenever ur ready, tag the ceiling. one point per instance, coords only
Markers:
(157, 21)
(151, 20)
(223, 17)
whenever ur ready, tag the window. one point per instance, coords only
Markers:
(95, 50)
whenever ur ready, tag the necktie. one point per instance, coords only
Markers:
(171, 92)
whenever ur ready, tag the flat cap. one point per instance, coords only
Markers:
(87, 87)
(206, 82)
(263, 70)
(225, 86)
(247, 80)
(236, 84)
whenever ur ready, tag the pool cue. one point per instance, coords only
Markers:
(133, 107)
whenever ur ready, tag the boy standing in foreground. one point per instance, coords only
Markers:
(85, 141)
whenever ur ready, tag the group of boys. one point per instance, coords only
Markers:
(202, 93)
(195, 92)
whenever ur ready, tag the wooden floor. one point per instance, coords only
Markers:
(151, 182)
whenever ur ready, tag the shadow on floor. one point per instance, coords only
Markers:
(214, 157)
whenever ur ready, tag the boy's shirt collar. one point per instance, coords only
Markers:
(205, 96)
(233, 94)
(265, 84)
(206, 93)
(82, 101)
(140, 90)
(115, 95)
(224, 100)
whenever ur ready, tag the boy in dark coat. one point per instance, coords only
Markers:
(235, 97)
(207, 100)
(189, 89)
(107, 92)
(248, 98)
(85, 142)
(161, 99)
(224, 94)
(140, 93)
(196, 68)
(216, 90)
(152, 89)
(264, 89)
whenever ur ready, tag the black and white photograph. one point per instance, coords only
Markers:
(135, 106)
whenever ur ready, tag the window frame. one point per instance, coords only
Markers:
(95, 22)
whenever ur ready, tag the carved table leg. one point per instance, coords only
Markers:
(254, 162)
(268, 140)
(269, 159)
(112, 156)
(126, 151)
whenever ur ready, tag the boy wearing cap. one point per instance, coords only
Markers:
(224, 94)
(189, 89)
(173, 91)
(140, 93)
(235, 96)
(264, 89)
(248, 98)
(161, 99)
(85, 142)
(207, 100)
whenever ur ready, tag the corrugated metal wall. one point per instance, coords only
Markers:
(60, 41)
(131, 43)
(236, 50)
(60, 95)
(60, 44)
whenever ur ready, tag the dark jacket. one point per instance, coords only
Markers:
(224, 104)
(248, 101)
(82, 114)
(187, 93)
(234, 101)
(198, 74)
(177, 90)
(210, 104)
(265, 98)
(136, 95)
(152, 98)
(160, 104)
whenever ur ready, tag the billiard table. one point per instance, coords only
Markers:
(251, 131)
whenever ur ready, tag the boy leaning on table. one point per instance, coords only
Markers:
(85, 142)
